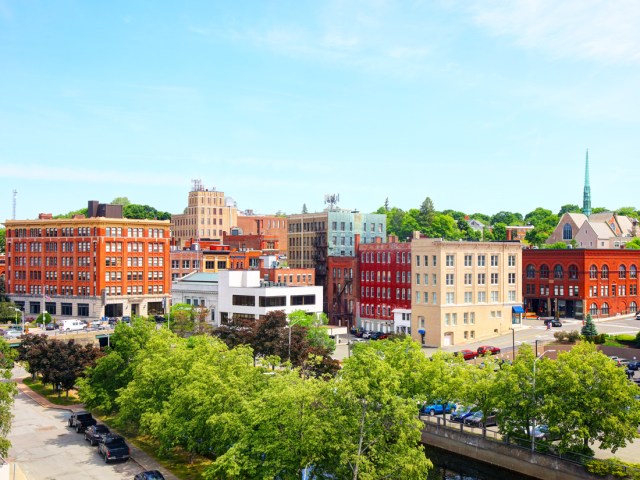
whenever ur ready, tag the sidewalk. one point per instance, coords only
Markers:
(145, 461)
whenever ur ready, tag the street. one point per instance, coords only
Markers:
(46, 449)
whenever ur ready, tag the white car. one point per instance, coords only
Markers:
(13, 334)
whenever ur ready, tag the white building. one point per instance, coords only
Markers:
(199, 289)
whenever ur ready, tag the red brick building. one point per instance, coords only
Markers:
(385, 283)
(266, 226)
(103, 265)
(268, 244)
(573, 282)
(289, 276)
(342, 290)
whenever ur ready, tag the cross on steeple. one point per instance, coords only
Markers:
(586, 197)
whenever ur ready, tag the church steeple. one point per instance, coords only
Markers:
(586, 197)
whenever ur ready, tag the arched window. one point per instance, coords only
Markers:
(633, 307)
(593, 310)
(633, 272)
(593, 271)
(557, 271)
(605, 272)
(605, 308)
(622, 272)
(567, 233)
(544, 271)
(573, 272)
(531, 271)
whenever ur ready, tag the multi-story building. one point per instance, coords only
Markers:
(573, 282)
(342, 290)
(209, 214)
(94, 266)
(288, 276)
(464, 291)
(266, 226)
(268, 244)
(517, 232)
(385, 284)
(598, 230)
(314, 237)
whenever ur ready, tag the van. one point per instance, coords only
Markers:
(67, 325)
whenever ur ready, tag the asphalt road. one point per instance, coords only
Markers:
(46, 449)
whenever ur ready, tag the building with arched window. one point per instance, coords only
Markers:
(602, 282)
(598, 230)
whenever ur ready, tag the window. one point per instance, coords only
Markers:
(434, 298)
(449, 260)
(622, 272)
(605, 308)
(481, 260)
(417, 260)
(593, 272)
(512, 295)
(544, 271)
(303, 299)
(434, 278)
(468, 259)
(633, 307)
(417, 279)
(593, 310)
(531, 271)
(494, 296)
(426, 279)
(449, 279)
(633, 272)
(605, 272)
(512, 260)
(243, 300)
(272, 301)
(83, 309)
(481, 279)
(468, 278)
(573, 272)
(494, 260)
(567, 233)
(558, 272)
(512, 278)
(426, 260)
(417, 297)
(447, 318)
(465, 318)
(494, 279)
(435, 260)
(472, 318)
(66, 308)
(468, 297)
(482, 297)
(450, 298)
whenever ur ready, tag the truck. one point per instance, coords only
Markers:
(113, 447)
(67, 325)
(81, 420)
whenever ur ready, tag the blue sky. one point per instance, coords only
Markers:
(481, 105)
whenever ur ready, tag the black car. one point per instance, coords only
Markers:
(95, 433)
(159, 319)
(554, 322)
(149, 475)
(51, 326)
(633, 365)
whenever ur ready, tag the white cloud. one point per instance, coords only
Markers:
(602, 30)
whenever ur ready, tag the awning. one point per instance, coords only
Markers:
(518, 309)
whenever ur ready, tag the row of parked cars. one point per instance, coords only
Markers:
(110, 446)
(481, 351)
(366, 334)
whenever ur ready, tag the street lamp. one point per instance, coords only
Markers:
(533, 426)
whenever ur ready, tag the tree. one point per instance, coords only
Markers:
(589, 399)
(386, 204)
(8, 312)
(500, 232)
(304, 208)
(556, 246)
(183, 317)
(3, 241)
(124, 201)
(8, 391)
(443, 226)
(479, 385)
(427, 212)
(315, 326)
(32, 351)
(599, 210)
(628, 212)
(589, 330)
(47, 318)
(633, 244)
(569, 208)
(508, 218)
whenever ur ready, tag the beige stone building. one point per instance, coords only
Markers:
(463, 292)
(209, 214)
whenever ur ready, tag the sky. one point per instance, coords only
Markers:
(482, 106)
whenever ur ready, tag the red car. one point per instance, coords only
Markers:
(484, 349)
(467, 354)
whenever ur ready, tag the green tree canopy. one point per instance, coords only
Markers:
(124, 201)
(569, 208)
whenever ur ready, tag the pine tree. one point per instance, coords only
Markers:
(589, 330)
(304, 208)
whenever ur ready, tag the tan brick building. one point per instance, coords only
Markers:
(209, 214)
(464, 291)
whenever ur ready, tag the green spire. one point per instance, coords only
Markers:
(586, 197)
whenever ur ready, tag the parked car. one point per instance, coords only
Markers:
(553, 322)
(12, 334)
(366, 334)
(466, 354)
(633, 365)
(81, 420)
(436, 408)
(462, 412)
(484, 349)
(620, 362)
(542, 433)
(378, 336)
(113, 447)
(638, 316)
(94, 434)
(51, 326)
(149, 475)
(478, 419)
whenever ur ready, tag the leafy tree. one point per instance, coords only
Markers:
(589, 399)
(456, 215)
(628, 212)
(633, 244)
(500, 232)
(8, 312)
(82, 211)
(556, 246)
(443, 226)
(144, 212)
(508, 218)
(569, 208)
(541, 216)
(441, 379)
(183, 319)
(599, 210)
(3, 240)
(8, 391)
(124, 201)
(481, 217)
(589, 330)
(479, 385)
(427, 212)
(316, 332)
(47, 318)
(33, 352)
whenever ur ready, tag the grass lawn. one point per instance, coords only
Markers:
(47, 392)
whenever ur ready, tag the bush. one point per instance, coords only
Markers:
(615, 467)
(567, 337)
(601, 338)
(626, 338)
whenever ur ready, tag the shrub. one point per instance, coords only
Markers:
(600, 338)
(626, 338)
(615, 467)
(567, 337)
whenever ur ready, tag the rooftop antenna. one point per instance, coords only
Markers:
(197, 185)
(15, 194)
(332, 200)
